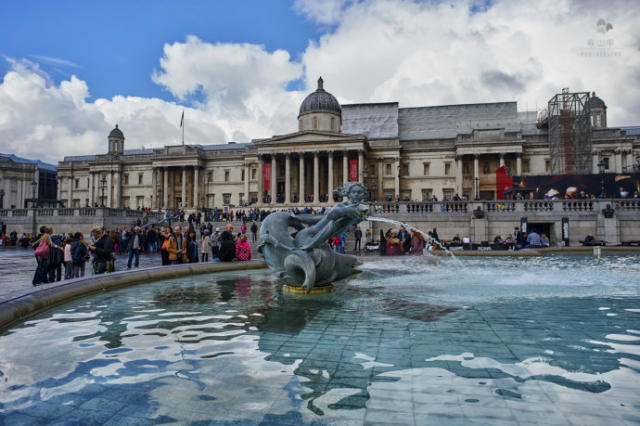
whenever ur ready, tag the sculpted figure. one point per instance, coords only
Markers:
(303, 256)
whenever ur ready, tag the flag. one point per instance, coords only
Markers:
(182, 119)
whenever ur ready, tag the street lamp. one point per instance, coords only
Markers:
(601, 168)
(103, 181)
(34, 202)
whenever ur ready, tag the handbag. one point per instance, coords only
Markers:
(43, 249)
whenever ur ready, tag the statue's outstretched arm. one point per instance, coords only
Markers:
(309, 219)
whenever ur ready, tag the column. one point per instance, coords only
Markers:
(58, 190)
(301, 179)
(165, 188)
(116, 190)
(70, 192)
(345, 168)
(330, 177)
(360, 166)
(90, 189)
(501, 160)
(154, 194)
(274, 179)
(108, 189)
(380, 195)
(316, 180)
(594, 167)
(260, 178)
(196, 184)
(246, 183)
(184, 187)
(519, 164)
(287, 179)
(476, 177)
(396, 187)
(629, 161)
(459, 168)
(618, 157)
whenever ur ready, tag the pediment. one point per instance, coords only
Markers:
(311, 137)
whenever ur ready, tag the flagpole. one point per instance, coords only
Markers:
(182, 127)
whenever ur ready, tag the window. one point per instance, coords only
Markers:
(140, 178)
(486, 167)
(333, 123)
(447, 169)
(125, 202)
(315, 123)
(254, 197)
(242, 175)
(210, 199)
(209, 176)
(253, 174)
(525, 166)
(226, 175)
(77, 183)
(387, 169)
(88, 183)
(426, 194)
(241, 197)
(546, 165)
(226, 198)
(140, 201)
(426, 167)
(447, 194)
(605, 160)
(404, 170)
(126, 179)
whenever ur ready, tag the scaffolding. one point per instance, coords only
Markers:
(569, 117)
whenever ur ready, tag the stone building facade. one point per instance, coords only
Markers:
(20, 178)
(410, 153)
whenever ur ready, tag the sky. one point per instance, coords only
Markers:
(71, 70)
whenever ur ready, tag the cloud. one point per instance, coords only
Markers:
(416, 53)
(56, 61)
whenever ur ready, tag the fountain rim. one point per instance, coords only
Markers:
(17, 307)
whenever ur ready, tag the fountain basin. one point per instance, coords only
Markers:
(501, 340)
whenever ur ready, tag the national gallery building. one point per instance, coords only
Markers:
(407, 153)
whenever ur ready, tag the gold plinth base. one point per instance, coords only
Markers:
(329, 288)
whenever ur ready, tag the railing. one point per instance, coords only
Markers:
(499, 206)
(66, 212)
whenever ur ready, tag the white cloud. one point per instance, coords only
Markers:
(417, 53)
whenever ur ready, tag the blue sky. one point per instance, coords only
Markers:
(115, 46)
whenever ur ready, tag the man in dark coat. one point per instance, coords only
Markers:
(227, 245)
(102, 250)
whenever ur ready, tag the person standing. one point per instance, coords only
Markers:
(176, 247)
(68, 260)
(205, 246)
(358, 234)
(191, 251)
(135, 242)
(417, 244)
(243, 248)
(102, 250)
(227, 245)
(254, 231)
(79, 255)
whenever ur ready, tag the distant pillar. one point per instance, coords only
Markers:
(274, 179)
(459, 166)
(594, 167)
(476, 177)
(316, 180)
(301, 179)
(345, 168)
(165, 188)
(287, 179)
(360, 166)
(260, 178)
(246, 183)
(70, 192)
(501, 160)
(91, 178)
(116, 190)
(380, 194)
(330, 177)
(397, 177)
(519, 165)
(196, 181)
(184, 187)
(109, 189)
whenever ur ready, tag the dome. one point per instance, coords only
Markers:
(596, 102)
(116, 133)
(320, 101)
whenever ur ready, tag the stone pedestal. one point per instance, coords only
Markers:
(608, 230)
(479, 230)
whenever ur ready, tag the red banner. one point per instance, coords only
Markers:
(503, 182)
(266, 177)
(353, 170)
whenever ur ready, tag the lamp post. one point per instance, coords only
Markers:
(34, 204)
(601, 168)
(103, 181)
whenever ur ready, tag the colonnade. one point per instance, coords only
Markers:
(313, 180)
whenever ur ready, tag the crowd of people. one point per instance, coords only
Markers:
(403, 242)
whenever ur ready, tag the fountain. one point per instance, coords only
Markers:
(303, 257)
